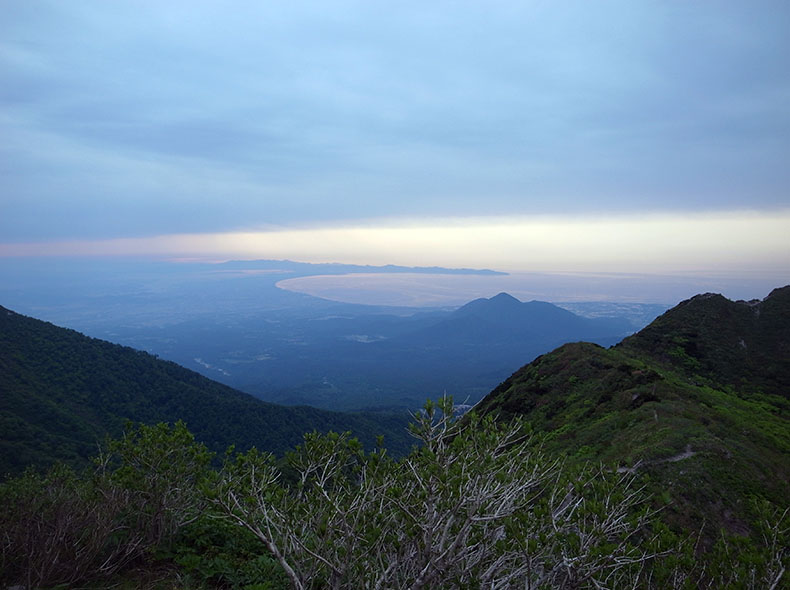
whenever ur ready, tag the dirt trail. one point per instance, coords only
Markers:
(687, 453)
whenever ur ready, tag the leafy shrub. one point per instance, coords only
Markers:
(476, 505)
(60, 528)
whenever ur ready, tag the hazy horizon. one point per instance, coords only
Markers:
(426, 290)
(75, 282)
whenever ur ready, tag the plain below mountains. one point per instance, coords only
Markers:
(346, 359)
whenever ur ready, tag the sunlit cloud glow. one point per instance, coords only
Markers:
(728, 242)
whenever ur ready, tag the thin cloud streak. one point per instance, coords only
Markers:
(720, 242)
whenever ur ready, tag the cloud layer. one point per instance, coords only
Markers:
(132, 119)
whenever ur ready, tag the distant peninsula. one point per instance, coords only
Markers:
(335, 268)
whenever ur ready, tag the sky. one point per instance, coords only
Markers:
(611, 136)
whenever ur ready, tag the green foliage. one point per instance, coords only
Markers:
(737, 344)
(61, 528)
(707, 448)
(679, 351)
(215, 552)
(165, 468)
(741, 562)
(478, 503)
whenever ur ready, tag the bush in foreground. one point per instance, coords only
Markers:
(477, 504)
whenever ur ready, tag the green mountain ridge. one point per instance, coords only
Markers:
(741, 344)
(698, 401)
(62, 393)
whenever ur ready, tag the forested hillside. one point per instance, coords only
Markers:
(63, 393)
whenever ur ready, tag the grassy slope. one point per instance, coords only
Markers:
(685, 383)
(744, 346)
(61, 393)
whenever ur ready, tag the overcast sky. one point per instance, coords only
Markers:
(124, 121)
